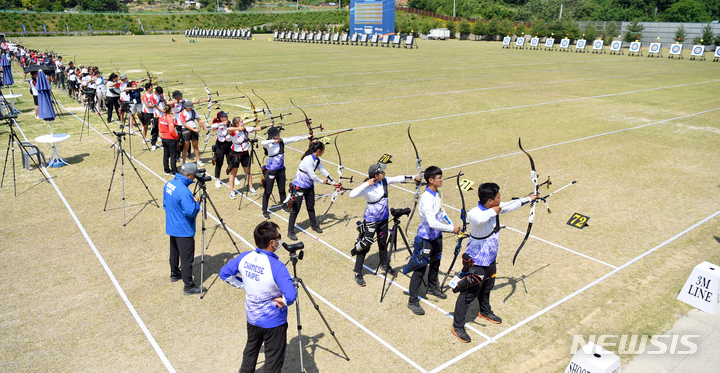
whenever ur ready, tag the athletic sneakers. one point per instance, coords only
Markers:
(237, 181)
(266, 215)
(415, 308)
(194, 290)
(291, 235)
(317, 229)
(461, 334)
(175, 278)
(437, 293)
(359, 279)
(253, 191)
(200, 163)
(490, 316)
(218, 183)
(232, 194)
(154, 148)
(388, 269)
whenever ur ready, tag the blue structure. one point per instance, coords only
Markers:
(372, 16)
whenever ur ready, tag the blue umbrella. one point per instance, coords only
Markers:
(45, 106)
(7, 78)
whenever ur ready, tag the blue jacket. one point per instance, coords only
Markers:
(180, 207)
(264, 277)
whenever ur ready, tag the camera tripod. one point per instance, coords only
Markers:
(392, 245)
(12, 138)
(119, 155)
(294, 257)
(253, 155)
(89, 109)
(204, 199)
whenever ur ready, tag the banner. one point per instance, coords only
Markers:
(24, 30)
(67, 28)
(45, 29)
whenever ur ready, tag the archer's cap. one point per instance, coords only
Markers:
(222, 114)
(176, 94)
(189, 104)
(273, 131)
(123, 76)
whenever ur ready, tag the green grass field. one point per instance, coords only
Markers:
(638, 134)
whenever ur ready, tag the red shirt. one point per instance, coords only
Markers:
(166, 124)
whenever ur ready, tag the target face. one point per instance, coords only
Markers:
(654, 47)
(520, 41)
(598, 44)
(564, 43)
(549, 42)
(534, 42)
(676, 49)
(698, 50)
(635, 46)
(506, 40)
(580, 44)
(717, 53)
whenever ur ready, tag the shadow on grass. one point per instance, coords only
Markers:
(75, 159)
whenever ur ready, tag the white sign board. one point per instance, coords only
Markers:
(702, 287)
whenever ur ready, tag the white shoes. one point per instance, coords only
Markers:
(253, 191)
(218, 184)
(154, 148)
(237, 181)
(200, 163)
(232, 194)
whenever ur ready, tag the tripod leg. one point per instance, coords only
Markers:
(407, 246)
(317, 308)
(117, 156)
(299, 329)
(140, 177)
(12, 147)
(202, 241)
(7, 152)
(207, 196)
(122, 183)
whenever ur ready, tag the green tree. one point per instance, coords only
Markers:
(425, 27)
(452, 27)
(680, 34)
(686, 11)
(464, 28)
(590, 32)
(505, 28)
(556, 30)
(634, 31)
(706, 38)
(493, 29)
(520, 30)
(571, 29)
(479, 29)
(539, 28)
(610, 32)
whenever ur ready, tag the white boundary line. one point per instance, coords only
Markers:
(110, 274)
(561, 301)
(382, 341)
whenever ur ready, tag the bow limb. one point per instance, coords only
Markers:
(461, 235)
(308, 122)
(418, 185)
(531, 217)
(267, 111)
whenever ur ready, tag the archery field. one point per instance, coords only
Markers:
(80, 292)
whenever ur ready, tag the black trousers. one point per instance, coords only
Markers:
(381, 232)
(182, 249)
(222, 151)
(309, 196)
(270, 178)
(60, 79)
(482, 293)
(170, 155)
(113, 103)
(433, 269)
(275, 340)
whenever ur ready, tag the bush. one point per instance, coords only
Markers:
(539, 28)
(634, 31)
(479, 29)
(464, 28)
(680, 34)
(452, 27)
(520, 30)
(590, 33)
(610, 32)
(505, 28)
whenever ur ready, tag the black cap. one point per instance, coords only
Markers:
(176, 94)
(222, 114)
(273, 131)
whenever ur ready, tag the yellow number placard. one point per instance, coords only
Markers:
(385, 159)
(466, 185)
(578, 220)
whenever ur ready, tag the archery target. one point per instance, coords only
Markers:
(676, 49)
(534, 42)
(520, 41)
(698, 50)
(615, 46)
(654, 48)
(581, 44)
(717, 52)
(506, 40)
(635, 46)
(564, 43)
(598, 44)
(549, 42)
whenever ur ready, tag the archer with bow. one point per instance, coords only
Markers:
(428, 242)
(376, 217)
(274, 148)
(479, 270)
(303, 186)
(239, 134)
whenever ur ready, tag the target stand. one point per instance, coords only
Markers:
(565, 45)
(520, 42)
(676, 50)
(635, 49)
(598, 46)
(616, 47)
(534, 43)
(506, 42)
(655, 50)
(580, 46)
(698, 51)
(550, 44)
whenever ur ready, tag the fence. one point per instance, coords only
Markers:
(654, 30)
(426, 13)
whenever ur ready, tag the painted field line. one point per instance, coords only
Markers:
(583, 138)
(110, 274)
(527, 106)
(252, 247)
(579, 291)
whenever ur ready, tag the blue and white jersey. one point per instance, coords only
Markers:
(305, 176)
(376, 197)
(483, 243)
(276, 151)
(432, 216)
(264, 278)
